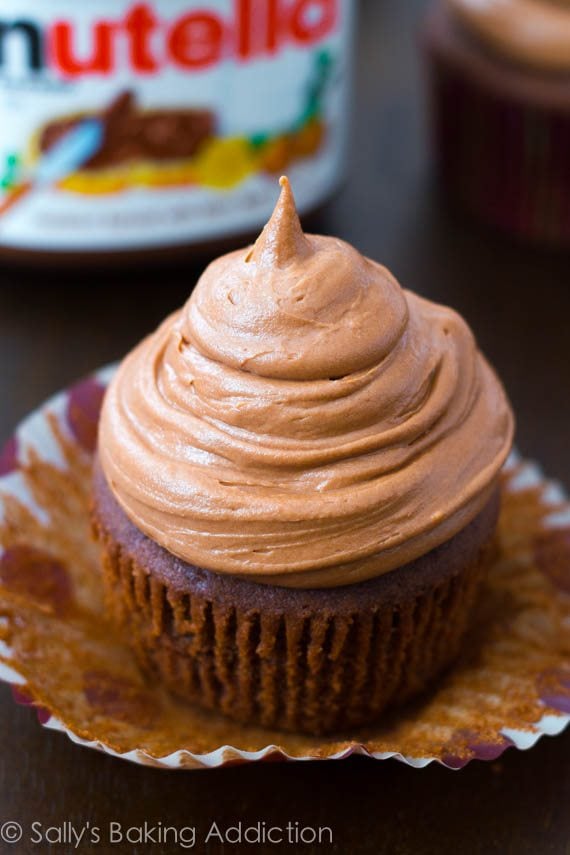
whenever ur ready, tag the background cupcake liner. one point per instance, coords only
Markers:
(511, 686)
(502, 155)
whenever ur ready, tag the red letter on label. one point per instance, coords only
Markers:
(196, 40)
(311, 20)
(140, 23)
(272, 24)
(62, 51)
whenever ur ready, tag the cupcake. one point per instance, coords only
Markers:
(297, 486)
(499, 75)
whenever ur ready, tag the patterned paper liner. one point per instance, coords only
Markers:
(511, 686)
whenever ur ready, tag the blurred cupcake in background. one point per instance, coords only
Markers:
(499, 74)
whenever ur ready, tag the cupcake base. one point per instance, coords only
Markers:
(312, 661)
(501, 134)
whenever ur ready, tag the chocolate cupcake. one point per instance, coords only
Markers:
(296, 486)
(500, 89)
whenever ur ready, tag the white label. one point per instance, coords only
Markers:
(131, 124)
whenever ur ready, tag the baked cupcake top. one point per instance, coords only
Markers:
(534, 33)
(302, 420)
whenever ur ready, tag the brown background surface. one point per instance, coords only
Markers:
(518, 301)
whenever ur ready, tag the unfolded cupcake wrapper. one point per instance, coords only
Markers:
(504, 159)
(510, 686)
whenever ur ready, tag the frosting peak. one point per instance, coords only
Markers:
(282, 240)
(304, 421)
(295, 307)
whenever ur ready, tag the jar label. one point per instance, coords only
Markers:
(132, 125)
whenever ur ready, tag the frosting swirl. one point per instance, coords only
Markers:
(535, 33)
(303, 421)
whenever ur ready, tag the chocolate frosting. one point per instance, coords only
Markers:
(303, 421)
(535, 33)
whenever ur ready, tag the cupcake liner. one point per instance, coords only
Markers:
(501, 149)
(510, 686)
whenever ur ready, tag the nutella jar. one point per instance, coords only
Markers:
(138, 128)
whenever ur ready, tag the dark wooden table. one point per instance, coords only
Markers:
(518, 302)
